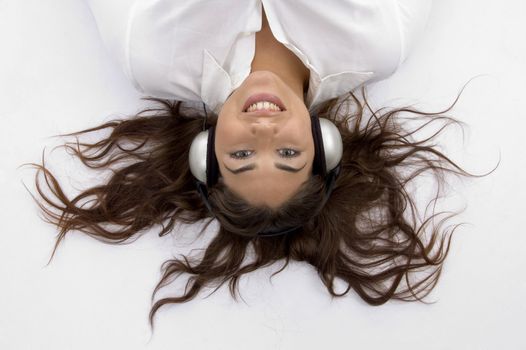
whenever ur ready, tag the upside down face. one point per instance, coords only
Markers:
(263, 140)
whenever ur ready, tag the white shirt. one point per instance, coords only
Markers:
(202, 50)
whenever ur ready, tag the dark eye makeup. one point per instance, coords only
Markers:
(282, 152)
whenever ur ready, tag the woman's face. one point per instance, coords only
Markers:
(264, 153)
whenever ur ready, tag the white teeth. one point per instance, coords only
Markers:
(263, 105)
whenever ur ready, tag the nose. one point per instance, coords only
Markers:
(263, 128)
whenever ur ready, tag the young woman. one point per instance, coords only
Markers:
(281, 152)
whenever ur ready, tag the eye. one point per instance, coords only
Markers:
(288, 153)
(241, 154)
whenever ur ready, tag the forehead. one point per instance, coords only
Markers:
(266, 186)
(267, 190)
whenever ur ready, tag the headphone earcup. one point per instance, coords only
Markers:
(197, 156)
(332, 143)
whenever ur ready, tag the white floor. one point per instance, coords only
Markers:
(55, 77)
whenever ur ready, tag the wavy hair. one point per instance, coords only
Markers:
(368, 234)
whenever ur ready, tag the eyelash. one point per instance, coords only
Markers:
(235, 156)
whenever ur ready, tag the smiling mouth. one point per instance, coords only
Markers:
(263, 103)
(263, 106)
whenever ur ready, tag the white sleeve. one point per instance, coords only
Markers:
(412, 16)
(113, 19)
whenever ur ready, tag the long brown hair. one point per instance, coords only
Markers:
(367, 234)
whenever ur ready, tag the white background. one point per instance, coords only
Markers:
(55, 77)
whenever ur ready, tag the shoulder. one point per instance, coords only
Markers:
(413, 16)
(113, 19)
(351, 35)
(355, 42)
(162, 45)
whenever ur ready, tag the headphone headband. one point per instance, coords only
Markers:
(212, 167)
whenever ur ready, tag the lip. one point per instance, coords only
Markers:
(262, 113)
(264, 97)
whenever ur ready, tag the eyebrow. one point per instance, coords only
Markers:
(253, 166)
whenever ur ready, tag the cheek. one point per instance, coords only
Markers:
(229, 134)
(228, 131)
(301, 130)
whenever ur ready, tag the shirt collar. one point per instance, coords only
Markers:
(216, 84)
(332, 86)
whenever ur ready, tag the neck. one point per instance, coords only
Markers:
(271, 55)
